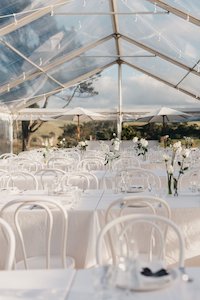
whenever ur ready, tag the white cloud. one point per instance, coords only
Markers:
(137, 90)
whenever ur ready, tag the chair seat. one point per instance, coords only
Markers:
(39, 262)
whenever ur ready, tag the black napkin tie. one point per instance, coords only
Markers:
(159, 273)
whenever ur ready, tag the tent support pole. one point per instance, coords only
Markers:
(119, 119)
(11, 134)
(78, 128)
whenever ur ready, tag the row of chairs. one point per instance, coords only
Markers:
(26, 180)
(145, 220)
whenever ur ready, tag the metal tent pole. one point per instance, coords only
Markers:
(11, 134)
(119, 119)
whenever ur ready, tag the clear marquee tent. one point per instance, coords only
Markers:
(144, 53)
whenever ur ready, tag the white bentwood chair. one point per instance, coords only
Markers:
(125, 240)
(75, 179)
(89, 164)
(10, 243)
(139, 204)
(138, 177)
(47, 208)
(48, 176)
(19, 179)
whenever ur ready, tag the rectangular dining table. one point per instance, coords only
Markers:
(86, 284)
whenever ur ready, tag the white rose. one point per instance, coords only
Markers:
(116, 146)
(177, 145)
(170, 169)
(185, 153)
(166, 157)
(144, 143)
(135, 139)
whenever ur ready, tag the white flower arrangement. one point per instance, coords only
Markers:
(82, 145)
(189, 142)
(170, 166)
(115, 142)
(141, 145)
(110, 156)
(63, 143)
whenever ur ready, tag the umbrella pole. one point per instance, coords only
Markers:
(78, 128)
(163, 129)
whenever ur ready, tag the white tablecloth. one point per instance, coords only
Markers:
(84, 288)
(82, 229)
(35, 284)
(82, 285)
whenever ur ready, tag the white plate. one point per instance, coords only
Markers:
(148, 283)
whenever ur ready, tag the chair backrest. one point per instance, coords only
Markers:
(3, 178)
(21, 180)
(71, 153)
(189, 181)
(10, 241)
(89, 164)
(135, 177)
(93, 180)
(123, 163)
(130, 222)
(63, 163)
(49, 175)
(7, 155)
(76, 179)
(138, 204)
(48, 205)
(154, 205)
(26, 164)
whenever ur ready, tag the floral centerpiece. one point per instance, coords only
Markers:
(82, 145)
(178, 157)
(109, 157)
(62, 143)
(115, 142)
(141, 146)
(189, 142)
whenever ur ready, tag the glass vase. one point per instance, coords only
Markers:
(169, 186)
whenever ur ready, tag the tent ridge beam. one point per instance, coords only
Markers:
(179, 13)
(162, 80)
(163, 56)
(115, 25)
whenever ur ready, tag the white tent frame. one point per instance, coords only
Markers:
(117, 59)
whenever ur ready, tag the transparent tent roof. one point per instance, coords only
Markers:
(48, 47)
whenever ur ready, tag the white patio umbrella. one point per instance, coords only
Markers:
(164, 115)
(77, 113)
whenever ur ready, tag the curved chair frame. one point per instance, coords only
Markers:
(148, 219)
(10, 237)
(47, 204)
